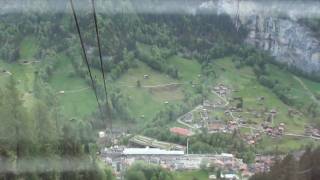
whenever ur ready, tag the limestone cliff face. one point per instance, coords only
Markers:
(273, 27)
(290, 42)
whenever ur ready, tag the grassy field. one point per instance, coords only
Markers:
(76, 102)
(297, 92)
(191, 175)
(313, 86)
(24, 74)
(188, 69)
(144, 101)
(78, 99)
(155, 78)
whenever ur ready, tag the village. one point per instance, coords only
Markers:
(176, 158)
(226, 114)
(221, 115)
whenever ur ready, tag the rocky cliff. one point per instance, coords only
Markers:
(273, 26)
(290, 42)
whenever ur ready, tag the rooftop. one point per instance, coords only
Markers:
(150, 151)
(180, 131)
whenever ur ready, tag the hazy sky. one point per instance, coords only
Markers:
(246, 7)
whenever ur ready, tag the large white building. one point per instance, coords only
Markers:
(150, 151)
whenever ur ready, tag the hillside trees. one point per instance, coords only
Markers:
(140, 171)
(119, 103)
(217, 143)
(17, 137)
(305, 168)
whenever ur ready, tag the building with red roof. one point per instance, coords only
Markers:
(180, 131)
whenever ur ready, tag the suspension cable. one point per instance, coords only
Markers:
(85, 55)
(101, 63)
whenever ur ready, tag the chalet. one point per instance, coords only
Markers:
(273, 111)
(281, 129)
(251, 142)
(146, 76)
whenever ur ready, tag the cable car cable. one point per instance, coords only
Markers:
(85, 55)
(100, 57)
